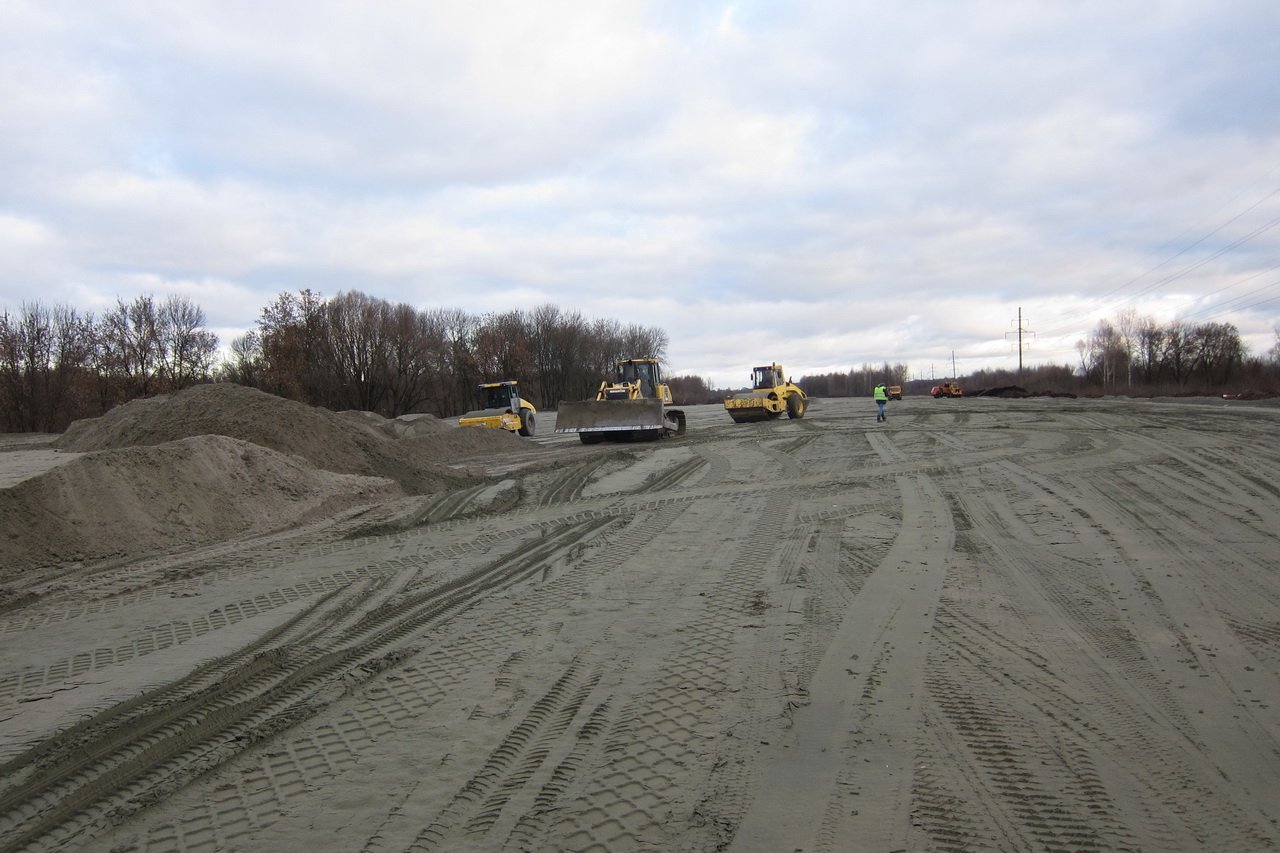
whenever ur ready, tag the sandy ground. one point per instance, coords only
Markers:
(985, 625)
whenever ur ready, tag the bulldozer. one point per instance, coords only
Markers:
(771, 394)
(632, 406)
(501, 407)
(946, 389)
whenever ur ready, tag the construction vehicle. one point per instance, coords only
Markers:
(771, 394)
(501, 407)
(946, 389)
(894, 392)
(633, 406)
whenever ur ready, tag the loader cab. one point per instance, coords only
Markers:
(500, 395)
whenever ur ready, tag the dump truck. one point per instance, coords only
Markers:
(895, 392)
(501, 407)
(635, 405)
(946, 389)
(771, 394)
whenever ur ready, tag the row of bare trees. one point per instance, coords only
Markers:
(1137, 353)
(58, 365)
(355, 351)
(858, 382)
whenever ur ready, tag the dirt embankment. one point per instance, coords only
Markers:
(222, 461)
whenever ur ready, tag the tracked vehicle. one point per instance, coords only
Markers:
(634, 405)
(771, 394)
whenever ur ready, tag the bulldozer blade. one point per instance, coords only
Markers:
(609, 415)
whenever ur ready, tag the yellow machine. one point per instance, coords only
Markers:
(634, 406)
(771, 394)
(946, 389)
(895, 392)
(501, 407)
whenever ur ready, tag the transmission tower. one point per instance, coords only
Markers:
(1019, 331)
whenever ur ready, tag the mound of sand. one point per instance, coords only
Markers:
(419, 452)
(140, 500)
(223, 461)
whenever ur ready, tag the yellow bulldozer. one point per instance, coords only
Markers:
(501, 407)
(634, 405)
(771, 394)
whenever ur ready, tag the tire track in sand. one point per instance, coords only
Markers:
(865, 701)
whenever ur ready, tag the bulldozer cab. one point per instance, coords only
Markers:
(766, 377)
(499, 395)
(643, 373)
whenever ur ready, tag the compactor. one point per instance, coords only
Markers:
(771, 394)
(633, 406)
(501, 407)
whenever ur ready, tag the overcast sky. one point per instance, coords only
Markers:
(824, 184)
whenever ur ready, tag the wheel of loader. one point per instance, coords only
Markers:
(795, 406)
(679, 416)
(526, 422)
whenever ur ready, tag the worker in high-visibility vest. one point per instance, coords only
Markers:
(881, 395)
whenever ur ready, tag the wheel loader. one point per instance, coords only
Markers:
(501, 407)
(632, 406)
(771, 394)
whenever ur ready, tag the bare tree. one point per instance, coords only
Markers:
(45, 360)
(1218, 352)
(185, 348)
(1177, 359)
(356, 351)
(408, 360)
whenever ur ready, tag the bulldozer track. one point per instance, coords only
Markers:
(254, 693)
(984, 625)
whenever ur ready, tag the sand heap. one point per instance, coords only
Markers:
(412, 450)
(145, 500)
(221, 461)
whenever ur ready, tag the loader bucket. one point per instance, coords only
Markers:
(624, 418)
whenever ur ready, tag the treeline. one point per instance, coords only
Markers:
(858, 382)
(1131, 355)
(352, 351)
(355, 351)
(1136, 353)
(58, 365)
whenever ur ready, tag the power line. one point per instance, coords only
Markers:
(1068, 322)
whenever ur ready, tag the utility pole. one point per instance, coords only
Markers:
(1021, 346)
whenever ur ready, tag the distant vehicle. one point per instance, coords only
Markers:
(946, 389)
(895, 392)
(634, 406)
(771, 394)
(501, 407)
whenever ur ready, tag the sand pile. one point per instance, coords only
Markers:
(141, 500)
(223, 461)
(417, 451)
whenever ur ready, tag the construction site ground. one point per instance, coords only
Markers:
(985, 624)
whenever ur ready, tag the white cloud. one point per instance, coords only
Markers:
(823, 184)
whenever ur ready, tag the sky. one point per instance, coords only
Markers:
(822, 184)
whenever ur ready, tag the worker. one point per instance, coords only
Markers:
(881, 395)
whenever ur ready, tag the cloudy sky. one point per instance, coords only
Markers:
(825, 184)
